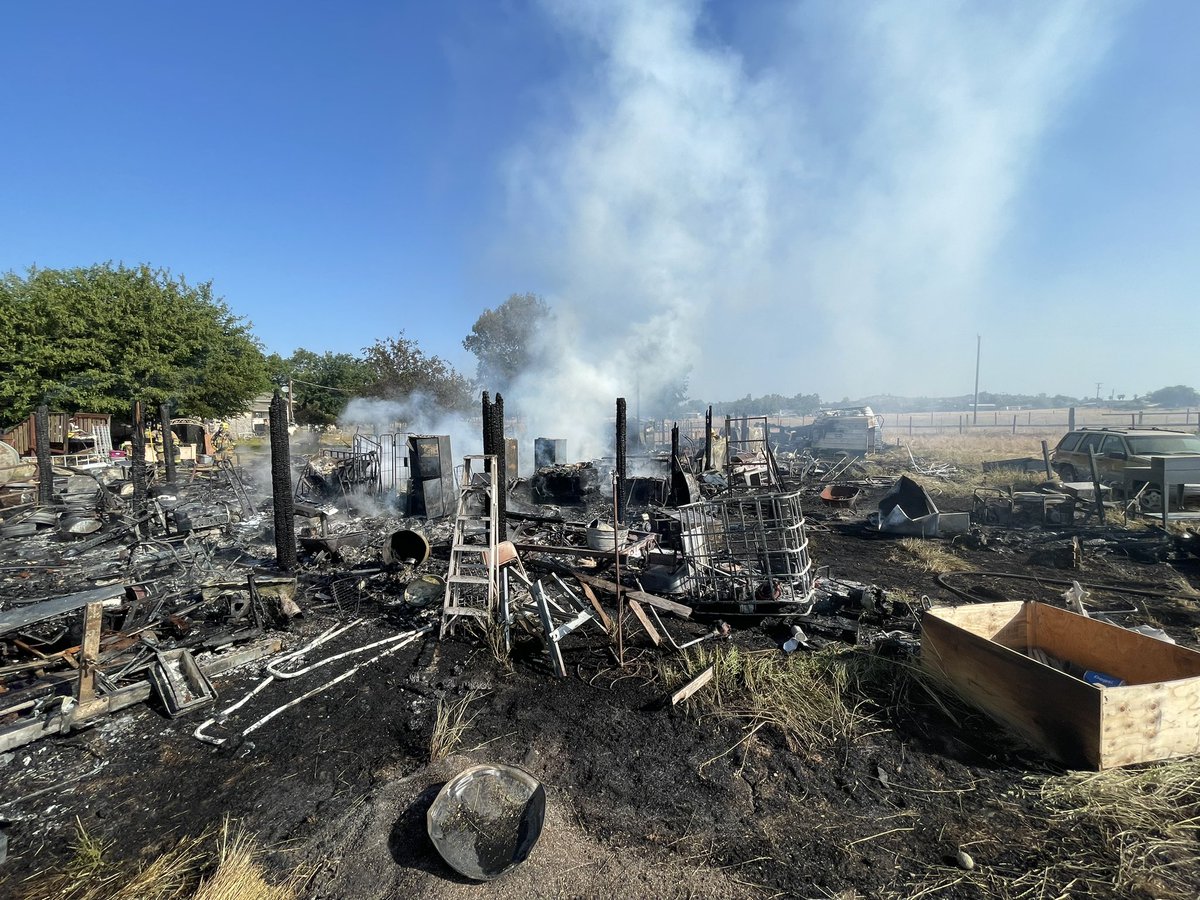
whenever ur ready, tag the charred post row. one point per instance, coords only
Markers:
(41, 427)
(622, 437)
(281, 486)
(168, 441)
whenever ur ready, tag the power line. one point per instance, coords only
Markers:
(323, 386)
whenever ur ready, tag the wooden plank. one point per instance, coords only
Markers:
(93, 617)
(1053, 711)
(684, 612)
(1102, 647)
(215, 664)
(1005, 623)
(641, 616)
(21, 733)
(692, 686)
(591, 598)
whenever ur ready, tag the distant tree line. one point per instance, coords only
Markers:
(94, 338)
(766, 405)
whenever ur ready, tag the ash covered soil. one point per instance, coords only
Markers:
(643, 800)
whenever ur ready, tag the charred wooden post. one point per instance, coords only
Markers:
(500, 478)
(622, 447)
(281, 486)
(41, 429)
(708, 439)
(137, 466)
(678, 490)
(168, 441)
(487, 425)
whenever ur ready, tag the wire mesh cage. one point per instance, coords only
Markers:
(749, 549)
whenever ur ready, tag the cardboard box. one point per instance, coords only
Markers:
(980, 650)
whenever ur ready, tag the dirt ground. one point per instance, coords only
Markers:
(642, 800)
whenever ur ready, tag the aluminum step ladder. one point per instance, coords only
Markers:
(472, 586)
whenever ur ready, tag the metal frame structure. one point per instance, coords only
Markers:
(748, 549)
(744, 443)
(391, 449)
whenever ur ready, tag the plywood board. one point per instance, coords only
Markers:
(1136, 658)
(1054, 712)
(1150, 721)
(1004, 623)
(1075, 722)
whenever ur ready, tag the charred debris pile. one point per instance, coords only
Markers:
(142, 576)
(127, 581)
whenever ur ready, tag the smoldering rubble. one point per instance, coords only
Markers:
(230, 592)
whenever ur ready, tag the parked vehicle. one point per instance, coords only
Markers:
(1119, 448)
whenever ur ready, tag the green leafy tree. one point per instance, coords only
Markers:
(323, 383)
(398, 369)
(502, 339)
(1176, 395)
(96, 338)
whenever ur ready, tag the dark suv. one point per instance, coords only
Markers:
(1118, 448)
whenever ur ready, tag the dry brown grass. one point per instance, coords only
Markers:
(450, 724)
(1131, 832)
(974, 449)
(239, 874)
(179, 872)
(806, 696)
(929, 554)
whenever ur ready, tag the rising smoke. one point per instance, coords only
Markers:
(807, 198)
(415, 414)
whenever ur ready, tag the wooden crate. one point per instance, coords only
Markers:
(1155, 715)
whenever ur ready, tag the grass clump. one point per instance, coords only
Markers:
(239, 874)
(807, 697)
(451, 722)
(1129, 832)
(929, 555)
(179, 872)
(1148, 822)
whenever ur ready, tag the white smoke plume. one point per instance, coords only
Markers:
(416, 414)
(818, 215)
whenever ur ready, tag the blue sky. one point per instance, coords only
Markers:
(808, 196)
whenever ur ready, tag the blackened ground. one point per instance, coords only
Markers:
(642, 801)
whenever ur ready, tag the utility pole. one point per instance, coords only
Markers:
(975, 406)
(1099, 384)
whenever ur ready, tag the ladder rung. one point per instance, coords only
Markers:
(469, 548)
(474, 518)
(466, 611)
(469, 579)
